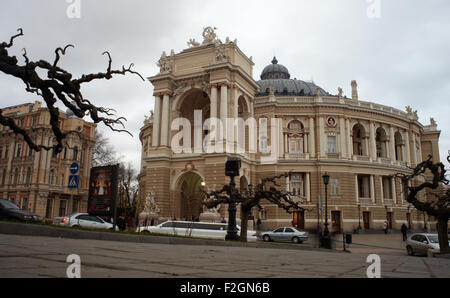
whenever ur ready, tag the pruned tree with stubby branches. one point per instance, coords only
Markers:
(58, 86)
(439, 206)
(266, 190)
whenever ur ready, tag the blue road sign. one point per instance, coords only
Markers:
(74, 168)
(73, 181)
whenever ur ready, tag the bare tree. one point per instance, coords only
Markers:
(439, 206)
(58, 86)
(103, 153)
(128, 187)
(252, 198)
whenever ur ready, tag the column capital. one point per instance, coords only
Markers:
(214, 85)
(223, 84)
(166, 93)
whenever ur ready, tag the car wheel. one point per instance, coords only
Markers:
(266, 238)
(410, 250)
(75, 226)
(295, 240)
(145, 232)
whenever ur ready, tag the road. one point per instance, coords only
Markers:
(31, 256)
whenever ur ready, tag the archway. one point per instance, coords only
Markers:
(190, 196)
(190, 102)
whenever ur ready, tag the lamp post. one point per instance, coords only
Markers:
(409, 217)
(325, 239)
(232, 167)
(326, 180)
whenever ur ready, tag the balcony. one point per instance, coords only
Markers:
(361, 158)
(385, 161)
(296, 156)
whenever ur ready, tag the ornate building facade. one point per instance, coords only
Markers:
(38, 181)
(360, 144)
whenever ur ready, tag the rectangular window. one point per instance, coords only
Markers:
(331, 144)
(24, 203)
(1, 152)
(19, 150)
(334, 187)
(62, 207)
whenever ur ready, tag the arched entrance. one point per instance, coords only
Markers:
(190, 196)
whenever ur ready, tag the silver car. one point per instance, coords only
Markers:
(420, 243)
(285, 234)
(83, 220)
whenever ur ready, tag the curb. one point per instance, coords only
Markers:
(24, 229)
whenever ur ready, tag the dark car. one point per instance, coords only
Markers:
(9, 210)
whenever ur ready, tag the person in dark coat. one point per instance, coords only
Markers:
(404, 232)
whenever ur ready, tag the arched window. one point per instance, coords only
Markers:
(398, 146)
(28, 176)
(381, 142)
(75, 153)
(359, 141)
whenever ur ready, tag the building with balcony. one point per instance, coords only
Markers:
(38, 181)
(360, 144)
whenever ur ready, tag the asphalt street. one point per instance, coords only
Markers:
(31, 256)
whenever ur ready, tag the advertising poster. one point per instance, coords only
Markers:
(103, 190)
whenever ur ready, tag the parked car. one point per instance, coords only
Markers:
(194, 229)
(9, 210)
(83, 220)
(285, 234)
(420, 243)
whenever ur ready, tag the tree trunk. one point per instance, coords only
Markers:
(443, 234)
(244, 224)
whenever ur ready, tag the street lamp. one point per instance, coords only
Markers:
(325, 238)
(326, 180)
(232, 167)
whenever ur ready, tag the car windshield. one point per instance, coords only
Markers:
(433, 239)
(8, 205)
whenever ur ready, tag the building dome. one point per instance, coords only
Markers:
(275, 71)
(277, 76)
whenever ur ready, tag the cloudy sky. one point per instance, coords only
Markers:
(398, 51)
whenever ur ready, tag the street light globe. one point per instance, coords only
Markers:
(326, 179)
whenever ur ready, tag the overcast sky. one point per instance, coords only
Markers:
(399, 54)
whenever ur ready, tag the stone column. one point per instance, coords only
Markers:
(305, 145)
(392, 142)
(349, 139)
(372, 189)
(408, 150)
(373, 147)
(381, 190)
(393, 192)
(414, 155)
(287, 184)
(165, 120)
(224, 108)
(223, 102)
(312, 143)
(356, 189)
(322, 143)
(342, 137)
(213, 101)
(156, 121)
(307, 187)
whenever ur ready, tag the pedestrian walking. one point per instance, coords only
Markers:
(404, 232)
(385, 227)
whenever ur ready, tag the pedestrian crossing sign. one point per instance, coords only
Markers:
(73, 181)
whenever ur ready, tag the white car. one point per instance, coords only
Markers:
(83, 220)
(420, 243)
(194, 229)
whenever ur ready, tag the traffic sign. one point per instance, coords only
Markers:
(74, 168)
(73, 181)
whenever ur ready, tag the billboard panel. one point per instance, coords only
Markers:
(103, 190)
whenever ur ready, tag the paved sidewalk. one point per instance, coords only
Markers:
(374, 243)
(31, 256)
